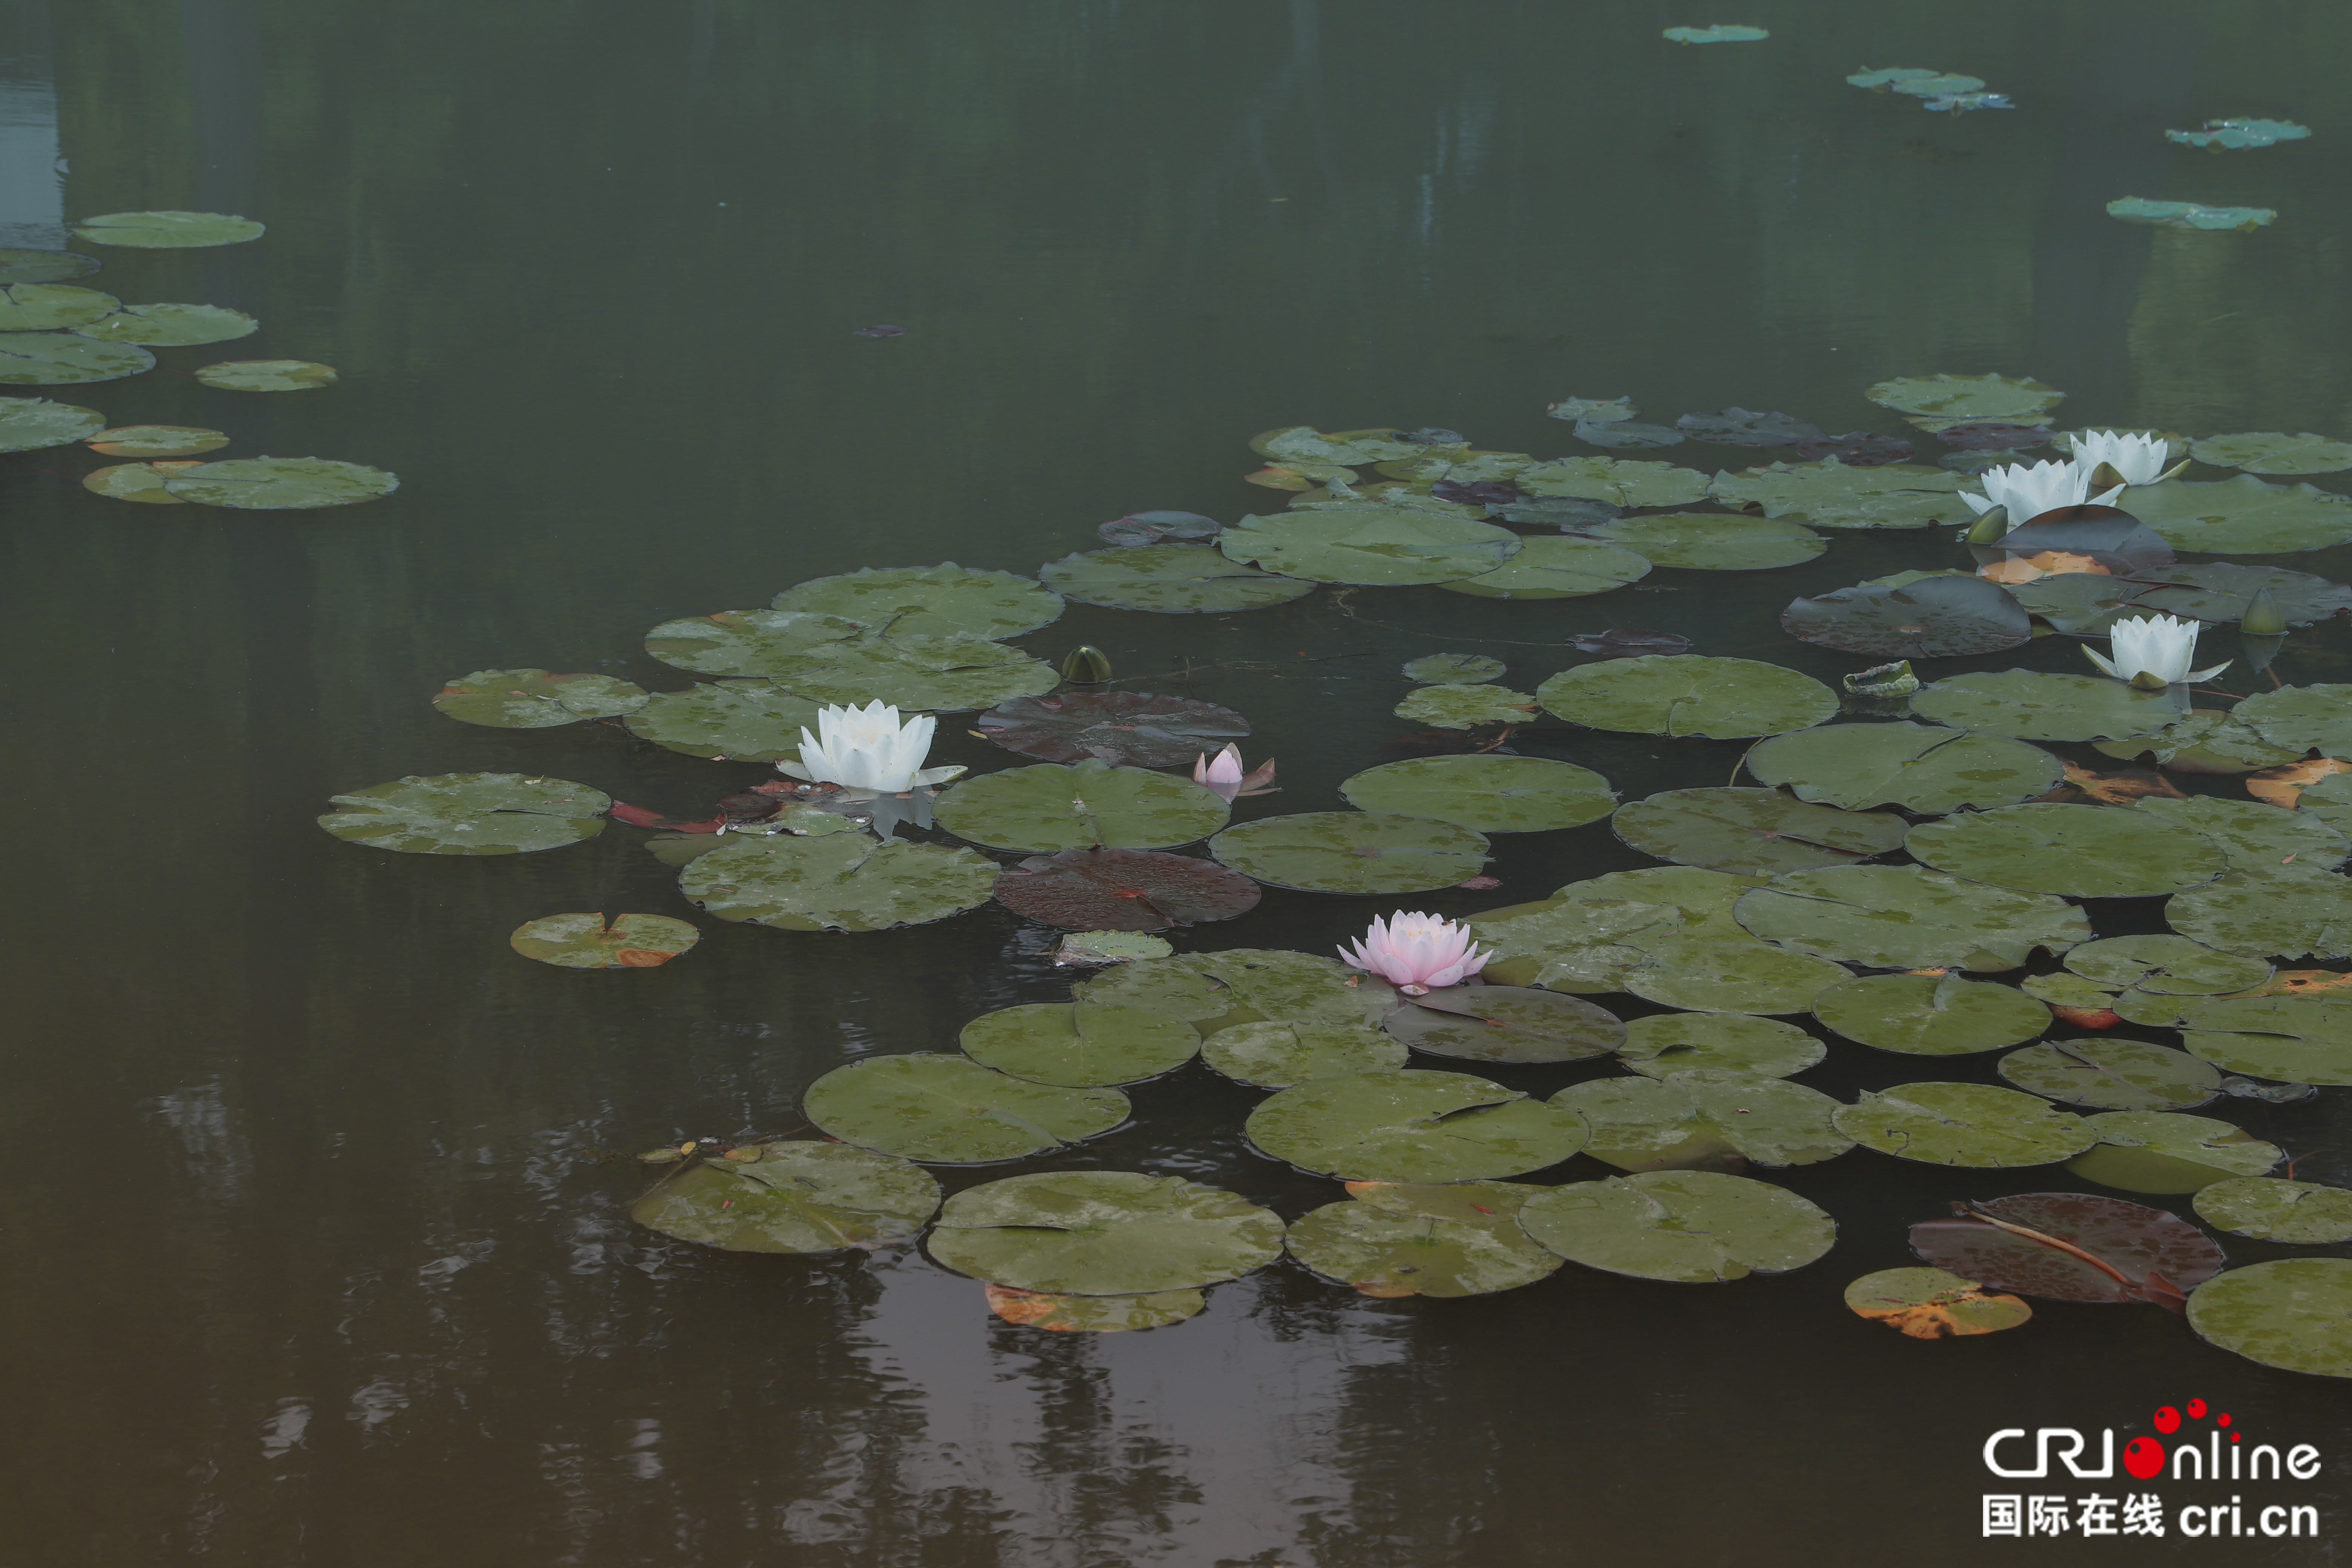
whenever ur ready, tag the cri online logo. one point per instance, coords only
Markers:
(2194, 1443)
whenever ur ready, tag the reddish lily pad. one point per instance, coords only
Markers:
(1124, 889)
(1125, 729)
(1932, 619)
(2082, 1248)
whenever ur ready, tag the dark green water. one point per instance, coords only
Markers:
(311, 1257)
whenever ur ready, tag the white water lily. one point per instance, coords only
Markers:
(2139, 458)
(2152, 652)
(2029, 492)
(868, 747)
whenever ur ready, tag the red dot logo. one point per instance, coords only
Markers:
(2144, 1457)
(2223, 1419)
(2168, 1420)
(2197, 1410)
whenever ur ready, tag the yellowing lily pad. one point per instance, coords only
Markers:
(1933, 1304)
(154, 440)
(586, 941)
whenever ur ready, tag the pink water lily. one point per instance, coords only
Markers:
(1417, 953)
(1223, 774)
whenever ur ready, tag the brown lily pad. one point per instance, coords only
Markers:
(2072, 1247)
(1124, 889)
(1125, 729)
(1933, 1304)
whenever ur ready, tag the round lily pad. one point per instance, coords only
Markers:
(2242, 516)
(1831, 494)
(1391, 546)
(791, 1196)
(1907, 917)
(1620, 481)
(1715, 541)
(1704, 1119)
(1922, 768)
(1933, 1304)
(31, 423)
(1714, 975)
(1064, 1314)
(267, 376)
(470, 814)
(944, 674)
(2087, 852)
(1460, 707)
(2294, 1314)
(2252, 835)
(61, 359)
(169, 230)
(1050, 808)
(2217, 591)
(45, 306)
(1492, 794)
(1970, 1124)
(1124, 889)
(1547, 568)
(1079, 1045)
(1930, 1015)
(277, 484)
(2204, 742)
(756, 643)
(1931, 618)
(838, 881)
(726, 720)
(1352, 852)
(1754, 832)
(1505, 1024)
(2291, 1039)
(2033, 706)
(1686, 694)
(170, 326)
(1103, 1233)
(2169, 966)
(1413, 1239)
(949, 1109)
(155, 440)
(1245, 984)
(2287, 911)
(2101, 1239)
(2110, 1074)
(2070, 992)
(929, 601)
(1665, 1044)
(585, 942)
(1453, 669)
(2269, 1208)
(1968, 397)
(1693, 1228)
(45, 266)
(1277, 1053)
(2301, 718)
(1408, 1125)
(2273, 452)
(1169, 579)
(2162, 1151)
(534, 699)
(1131, 729)
(2328, 799)
(1305, 444)
(142, 482)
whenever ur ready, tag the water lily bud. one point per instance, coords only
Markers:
(1883, 680)
(2107, 477)
(2263, 617)
(1992, 523)
(1086, 665)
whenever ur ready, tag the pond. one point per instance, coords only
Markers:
(321, 1239)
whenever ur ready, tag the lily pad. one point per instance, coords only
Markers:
(1593, 410)
(1924, 769)
(2217, 591)
(1491, 794)
(62, 359)
(2190, 214)
(1460, 707)
(1505, 1024)
(1369, 543)
(1906, 917)
(141, 483)
(2292, 1040)
(1625, 435)
(170, 326)
(1620, 481)
(1079, 1045)
(1453, 669)
(1305, 444)
(2111, 1074)
(2084, 851)
(1397, 1238)
(944, 674)
(154, 440)
(45, 266)
(1124, 889)
(585, 942)
(45, 306)
(2302, 1214)
(2274, 452)
(1123, 728)
(2294, 1314)
(1547, 568)
(1715, 541)
(2287, 911)
(1665, 1044)
(1169, 579)
(1753, 832)
(1933, 1304)
(1716, 699)
(1216, 990)
(949, 1109)
(1967, 1124)
(755, 643)
(1718, 34)
(2126, 1244)
(2169, 966)
(791, 1196)
(1831, 494)
(1408, 1125)
(1591, 934)
(267, 376)
(1066, 1313)
(2240, 133)
(2161, 1152)
(1723, 976)
(1692, 1227)
(1103, 1233)
(2252, 836)
(168, 230)
(535, 699)
(1705, 1120)
(32, 423)
(728, 720)
(2328, 799)
(1931, 1015)
(1352, 852)
(1737, 427)
(2204, 742)
(2301, 718)
(1279, 1052)
(929, 601)
(2033, 706)
(1937, 617)
(1978, 398)
(2242, 516)
(470, 814)
(280, 484)
(1050, 808)
(838, 881)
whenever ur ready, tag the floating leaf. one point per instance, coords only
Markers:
(1124, 889)
(2217, 591)
(1718, 34)
(2254, 836)
(1906, 917)
(279, 484)
(1753, 832)
(1693, 1228)
(1143, 527)
(2242, 516)
(756, 643)
(1626, 435)
(2088, 1248)
(267, 376)
(2078, 850)
(2202, 741)
(1942, 84)
(1123, 728)
(1857, 448)
(2294, 1039)
(1619, 481)
(170, 326)
(950, 1109)
(944, 674)
(2274, 452)
(793, 1196)
(1101, 1233)
(1829, 494)
(1302, 443)
(1737, 426)
(1705, 1120)
(1726, 977)
(1491, 794)
(534, 699)
(1064, 1314)
(1934, 618)
(1623, 641)
(1921, 768)
(2169, 966)
(1606, 919)
(61, 359)
(1460, 707)
(1556, 569)
(1964, 1124)
(44, 307)
(2302, 718)
(45, 266)
(929, 601)
(1930, 1015)
(731, 721)
(2034, 706)
(135, 482)
(1216, 990)
(167, 230)
(32, 423)
(1050, 808)
(1410, 1239)
(1968, 398)
(1453, 669)
(1352, 852)
(470, 814)
(2006, 440)
(2159, 1152)
(1665, 1044)
(1370, 544)
(585, 942)
(2287, 911)
(1717, 698)
(1933, 1304)
(2112, 1074)
(1593, 410)
(1412, 1126)
(2190, 214)
(2240, 133)
(154, 440)
(1277, 1053)
(1079, 1045)
(2294, 1314)
(1715, 541)
(839, 881)
(1505, 1024)
(2303, 1213)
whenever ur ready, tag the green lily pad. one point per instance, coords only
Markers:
(280, 484)
(585, 942)
(62, 359)
(1248, 984)
(1997, 399)
(1970, 1124)
(837, 881)
(1492, 794)
(1692, 1227)
(2294, 1314)
(2169, 966)
(1505, 1024)
(1753, 832)
(1369, 543)
(2085, 851)
(45, 306)
(2068, 991)
(1079, 1045)
(1463, 464)
(1352, 852)
(2273, 452)
(169, 230)
(45, 266)
(755, 643)
(31, 423)
(1064, 1314)
(728, 720)
(1399, 1239)
(170, 326)
(1930, 1015)
(1412, 1126)
(1103, 1233)
(155, 440)
(2081, 603)
(1593, 934)
(2112, 1074)
(2269, 1208)
(2204, 742)
(2190, 214)
(2217, 591)
(2291, 1039)
(2032, 706)
(1278, 1052)
(1620, 481)
(1460, 707)
(1907, 917)
(949, 1109)
(791, 1196)
(267, 376)
(929, 601)
(1829, 494)
(1705, 1120)
(1547, 568)
(1718, 34)
(1453, 669)
(470, 814)
(2328, 800)
(142, 482)
(2240, 133)
(1942, 84)
(1305, 444)
(2161, 1152)
(1715, 541)
(1719, 976)
(2241, 516)
(1924, 769)
(1686, 694)
(1054, 806)
(2287, 911)
(1665, 1044)
(1933, 1304)
(2302, 718)
(534, 699)
(944, 674)
(2253, 835)
(1168, 580)
(1935, 617)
